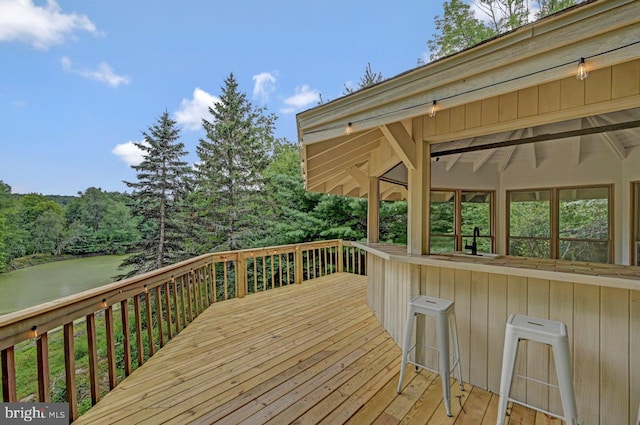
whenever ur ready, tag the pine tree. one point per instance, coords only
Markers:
(158, 198)
(230, 179)
(368, 79)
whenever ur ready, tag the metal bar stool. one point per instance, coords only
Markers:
(544, 331)
(443, 311)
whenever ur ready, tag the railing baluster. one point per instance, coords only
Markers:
(138, 320)
(147, 301)
(264, 273)
(205, 283)
(70, 371)
(126, 335)
(93, 357)
(9, 376)
(111, 347)
(188, 287)
(42, 348)
(225, 280)
(167, 307)
(182, 305)
(159, 314)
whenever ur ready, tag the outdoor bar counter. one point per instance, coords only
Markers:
(599, 303)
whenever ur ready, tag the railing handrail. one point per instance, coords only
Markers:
(17, 326)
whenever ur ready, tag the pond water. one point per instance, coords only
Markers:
(46, 282)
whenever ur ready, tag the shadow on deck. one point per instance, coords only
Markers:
(304, 354)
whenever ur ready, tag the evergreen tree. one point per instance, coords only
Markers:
(230, 181)
(548, 7)
(158, 198)
(368, 79)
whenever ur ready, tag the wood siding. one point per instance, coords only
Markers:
(607, 89)
(603, 325)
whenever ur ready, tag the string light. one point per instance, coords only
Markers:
(582, 70)
(349, 129)
(104, 303)
(34, 331)
(582, 74)
(433, 109)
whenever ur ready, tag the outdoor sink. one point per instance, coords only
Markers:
(478, 255)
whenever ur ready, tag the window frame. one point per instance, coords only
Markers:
(457, 218)
(554, 215)
(634, 223)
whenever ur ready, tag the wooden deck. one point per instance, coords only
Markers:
(304, 354)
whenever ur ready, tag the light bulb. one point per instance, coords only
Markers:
(349, 129)
(104, 303)
(432, 110)
(34, 331)
(582, 70)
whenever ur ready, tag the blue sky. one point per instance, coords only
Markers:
(80, 80)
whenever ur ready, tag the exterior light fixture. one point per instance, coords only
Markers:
(432, 109)
(34, 331)
(349, 129)
(582, 70)
(104, 303)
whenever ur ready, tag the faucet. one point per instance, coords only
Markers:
(474, 245)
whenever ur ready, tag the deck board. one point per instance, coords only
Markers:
(304, 354)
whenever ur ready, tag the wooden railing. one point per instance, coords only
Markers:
(98, 337)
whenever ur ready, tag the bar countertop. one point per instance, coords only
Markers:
(610, 275)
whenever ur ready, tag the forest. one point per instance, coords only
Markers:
(245, 191)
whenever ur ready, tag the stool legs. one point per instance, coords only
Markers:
(508, 365)
(565, 381)
(456, 349)
(405, 346)
(442, 325)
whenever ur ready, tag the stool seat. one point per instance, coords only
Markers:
(444, 313)
(549, 332)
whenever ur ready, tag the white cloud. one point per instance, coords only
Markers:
(129, 153)
(264, 85)
(192, 111)
(103, 73)
(304, 97)
(39, 26)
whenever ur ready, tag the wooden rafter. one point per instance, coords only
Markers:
(612, 140)
(401, 142)
(482, 159)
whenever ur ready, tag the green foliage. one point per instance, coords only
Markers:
(459, 28)
(159, 197)
(230, 175)
(369, 78)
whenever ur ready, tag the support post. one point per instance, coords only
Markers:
(241, 276)
(373, 210)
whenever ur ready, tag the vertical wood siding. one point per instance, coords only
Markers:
(603, 325)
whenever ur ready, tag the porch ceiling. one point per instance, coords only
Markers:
(523, 79)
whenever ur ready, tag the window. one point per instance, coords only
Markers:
(454, 215)
(635, 223)
(565, 223)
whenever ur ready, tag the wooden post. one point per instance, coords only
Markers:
(373, 210)
(241, 276)
(93, 358)
(42, 347)
(298, 272)
(70, 371)
(111, 347)
(8, 376)
(340, 255)
(126, 336)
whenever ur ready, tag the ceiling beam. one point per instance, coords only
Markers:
(507, 158)
(361, 178)
(612, 140)
(542, 138)
(401, 142)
